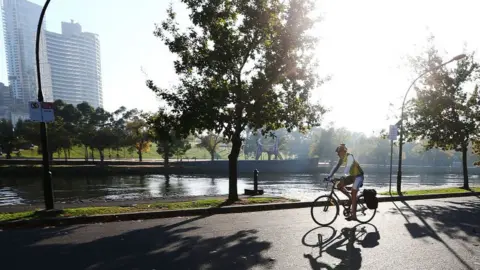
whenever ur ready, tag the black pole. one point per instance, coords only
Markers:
(255, 180)
(47, 175)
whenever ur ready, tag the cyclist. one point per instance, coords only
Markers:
(353, 175)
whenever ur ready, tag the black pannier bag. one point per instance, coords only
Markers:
(371, 200)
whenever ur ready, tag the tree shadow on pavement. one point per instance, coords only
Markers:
(350, 257)
(160, 247)
(452, 220)
(458, 220)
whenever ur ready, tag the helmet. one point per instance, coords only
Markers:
(341, 147)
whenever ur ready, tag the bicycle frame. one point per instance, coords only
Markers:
(333, 194)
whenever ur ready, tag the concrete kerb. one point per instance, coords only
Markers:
(64, 221)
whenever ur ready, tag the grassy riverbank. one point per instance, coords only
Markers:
(433, 191)
(154, 206)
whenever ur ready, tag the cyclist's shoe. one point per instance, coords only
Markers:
(350, 218)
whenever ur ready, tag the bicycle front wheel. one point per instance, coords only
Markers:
(324, 210)
(364, 214)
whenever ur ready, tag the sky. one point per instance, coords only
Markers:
(363, 46)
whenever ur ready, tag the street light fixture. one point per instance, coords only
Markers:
(400, 149)
(47, 175)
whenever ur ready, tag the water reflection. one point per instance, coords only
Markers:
(298, 186)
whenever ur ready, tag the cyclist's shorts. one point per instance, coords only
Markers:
(357, 181)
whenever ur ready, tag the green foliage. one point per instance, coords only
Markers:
(476, 150)
(242, 65)
(138, 132)
(210, 143)
(8, 138)
(164, 128)
(444, 113)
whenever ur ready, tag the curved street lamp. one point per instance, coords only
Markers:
(400, 149)
(47, 175)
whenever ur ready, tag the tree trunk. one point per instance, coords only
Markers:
(166, 154)
(65, 154)
(93, 157)
(465, 168)
(140, 151)
(86, 153)
(102, 156)
(212, 154)
(232, 167)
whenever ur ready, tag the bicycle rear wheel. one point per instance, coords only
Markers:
(323, 207)
(364, 214)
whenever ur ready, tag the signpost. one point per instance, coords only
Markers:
(392, 135)
(41, 111)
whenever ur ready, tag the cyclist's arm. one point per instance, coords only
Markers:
(349, 165)
(334, 169)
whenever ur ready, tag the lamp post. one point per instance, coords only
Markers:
(400, 149)
(47, 175)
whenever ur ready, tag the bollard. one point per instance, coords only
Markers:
(255, 190)
(255, 180)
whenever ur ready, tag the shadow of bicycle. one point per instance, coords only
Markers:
(327, 241)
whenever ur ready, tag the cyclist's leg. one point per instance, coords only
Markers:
(355, 189)
(346, 182)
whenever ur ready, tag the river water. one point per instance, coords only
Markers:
(303, 187)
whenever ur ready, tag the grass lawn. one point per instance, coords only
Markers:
(78, 152)
(433, 191)
(156, 206)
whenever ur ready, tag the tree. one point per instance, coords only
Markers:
(210, 143)
(86, 126)
(137, 132)
(7, 137)
(119, 120)
(323, 145)
(58, 137)
(443, 113)
(242, 65)
(68, 117)
(103, 139)
(476, 150)
(164, 128)
(104, 133)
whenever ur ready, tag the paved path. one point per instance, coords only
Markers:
(434, 234)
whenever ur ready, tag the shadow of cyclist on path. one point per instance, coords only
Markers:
(350, 257)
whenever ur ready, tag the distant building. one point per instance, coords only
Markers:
(5, 101)
(75, 64)
(20, 19)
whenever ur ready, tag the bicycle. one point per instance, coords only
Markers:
(332, 199)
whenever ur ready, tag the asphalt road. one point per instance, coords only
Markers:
(433, 234)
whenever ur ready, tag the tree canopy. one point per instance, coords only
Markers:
(242, 64)
(446, 111)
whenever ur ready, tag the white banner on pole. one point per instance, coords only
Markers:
(393, 133)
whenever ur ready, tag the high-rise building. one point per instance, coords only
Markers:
(20, 19)
(5, 101)
(74, 57)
